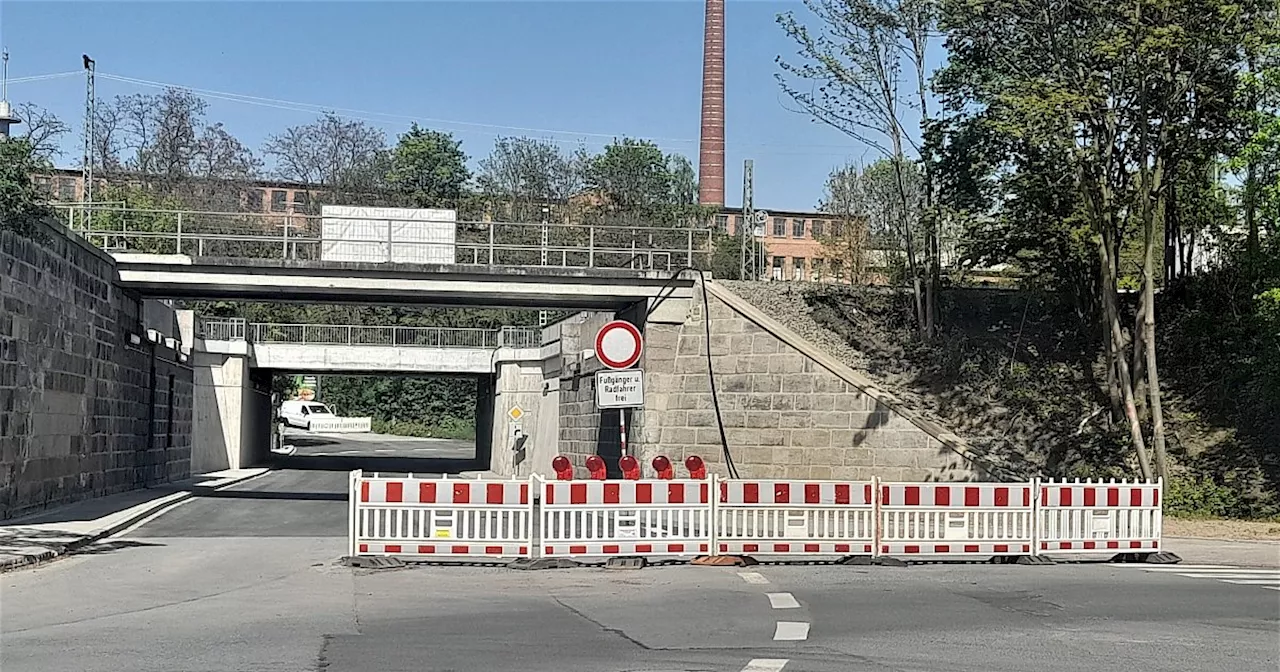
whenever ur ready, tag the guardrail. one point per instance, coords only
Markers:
(235, 329)
(299, 237)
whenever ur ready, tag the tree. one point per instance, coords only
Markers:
(21, 204)
(44, 130)
(429, 168)
(342, 160)
(631, 174)
(1123, 92)
(848, 198)
(849, 76)
(522, 175)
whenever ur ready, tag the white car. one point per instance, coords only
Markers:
(298, 413)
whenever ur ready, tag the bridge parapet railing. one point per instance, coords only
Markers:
(255, 235)
(237, 329)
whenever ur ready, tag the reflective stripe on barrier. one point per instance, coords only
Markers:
(796, 517)
(961, 519)
(614, 518)
(440, 517)
(1099, 517)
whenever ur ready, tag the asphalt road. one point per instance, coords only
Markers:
(375, 452)
(247, 581)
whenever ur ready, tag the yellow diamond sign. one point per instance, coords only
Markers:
(515, 413)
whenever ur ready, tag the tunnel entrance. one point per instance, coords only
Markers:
(383, 422)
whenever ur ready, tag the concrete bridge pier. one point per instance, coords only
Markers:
(231, 408)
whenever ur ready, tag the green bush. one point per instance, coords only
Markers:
(448, 428)
(1201, 497)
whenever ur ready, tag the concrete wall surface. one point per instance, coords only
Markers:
(83, 411)
(788, 411)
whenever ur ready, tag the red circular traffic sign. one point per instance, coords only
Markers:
(619, 344)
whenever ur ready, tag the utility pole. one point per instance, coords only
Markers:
(90, 115)
(7, 117)
(747, 223)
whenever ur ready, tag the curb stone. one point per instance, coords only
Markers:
(34, 559)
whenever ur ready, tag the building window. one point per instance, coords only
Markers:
(817, 271)
(777, 268)
(67, 189)
(836, 228)
(779, 227)
(254, 200)
(797, 269)
(737, 225)
(797, 228)
(301, 201)
(722, 222)
(279, 199)
(837, 270)
(816, 228)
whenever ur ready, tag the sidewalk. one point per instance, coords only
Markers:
(1251, 553)
(49, 534)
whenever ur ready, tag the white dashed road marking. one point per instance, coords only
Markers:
(753, 577)
(788, 631)
(766, 665)
(783, 601)
(1241, 576)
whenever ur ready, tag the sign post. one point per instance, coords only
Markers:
(618, 347)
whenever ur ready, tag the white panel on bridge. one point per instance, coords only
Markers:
(400, 235)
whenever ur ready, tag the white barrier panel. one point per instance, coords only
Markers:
(614, 518)
(796, 517)
(933, 519)
(440, 518)
(1094, 517)
(341, 425)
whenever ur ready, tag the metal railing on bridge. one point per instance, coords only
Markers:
(235, 329)
(118, 228)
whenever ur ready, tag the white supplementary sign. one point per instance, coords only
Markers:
(620, 389)
(619, 344)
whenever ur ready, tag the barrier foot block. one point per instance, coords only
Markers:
(1162, 558)
(1034, 560)
(625, 563)
(856, 560)
(724, 561)
(543, 563)
(373, 562)
(886, 561)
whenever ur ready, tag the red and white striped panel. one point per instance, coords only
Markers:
(971, 495)
(625, 548)
(1095, 517)
(795, 548)
(954, 548)
(627, 493)
(820, 493)
(444, 492)
(444, 550)
(1109, 495)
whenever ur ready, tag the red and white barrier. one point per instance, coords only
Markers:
(618, 518)
(1093, 517)
(440, 518)
(796, 518)
(934, 519)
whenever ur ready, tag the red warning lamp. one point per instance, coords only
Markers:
(630, 468)
(563, 468)
(595, 465)
(697, 468)
(663, 466)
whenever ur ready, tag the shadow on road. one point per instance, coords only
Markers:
(269, 494)
(305, 441)
(413, 465)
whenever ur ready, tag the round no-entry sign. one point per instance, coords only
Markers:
(619, 344)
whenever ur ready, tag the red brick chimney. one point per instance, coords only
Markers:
(711, 144)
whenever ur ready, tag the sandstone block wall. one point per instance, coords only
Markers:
(785, 414)
(74, 394)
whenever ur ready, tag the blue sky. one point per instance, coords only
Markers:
(574, 72)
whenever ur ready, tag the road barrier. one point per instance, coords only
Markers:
(676, 518)
(1093, 517)
(653, 518)
(340, 425)
(440, 518)
(932, 519)
(796, 517)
